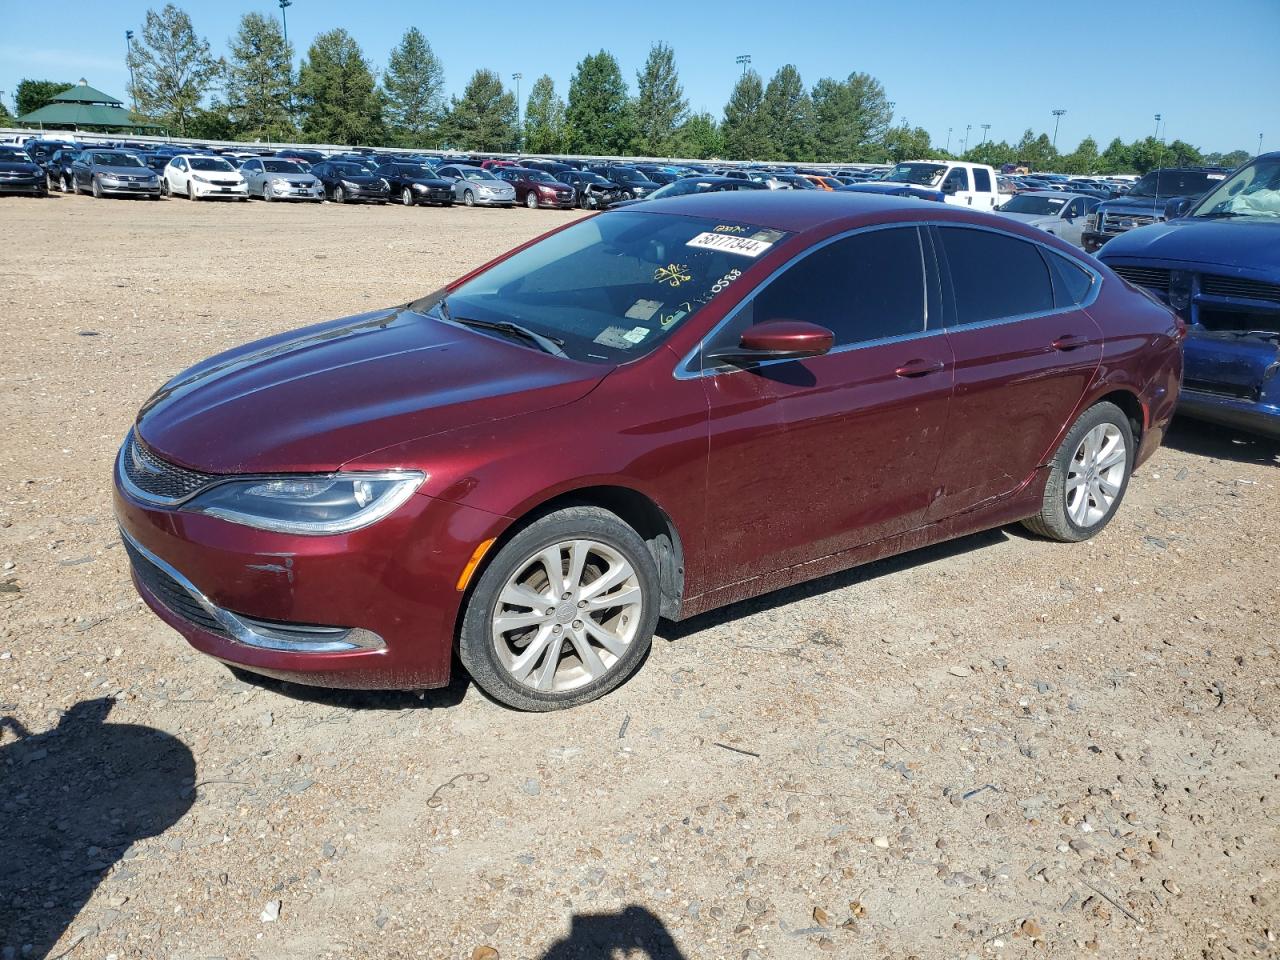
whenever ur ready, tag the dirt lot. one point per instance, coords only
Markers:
(999, 747)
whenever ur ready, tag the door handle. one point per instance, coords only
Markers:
(919, 368)
(1068, 341)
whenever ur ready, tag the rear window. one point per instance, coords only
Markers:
(982, 179)
(995, 276)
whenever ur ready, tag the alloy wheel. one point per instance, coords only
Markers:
(339, 195)
(567, 615)
(1095, 475)
(531, 200)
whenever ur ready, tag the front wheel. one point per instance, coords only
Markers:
(268, 192)
(339, 195)
(469, 198)
(406, 197)
(97, 189)
(1088, 476)
(63, 184)
(165, 191)
(531, 200)
(563, 613)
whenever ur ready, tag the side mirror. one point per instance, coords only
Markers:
(950, 187)
(777, 340)
(1177, 207)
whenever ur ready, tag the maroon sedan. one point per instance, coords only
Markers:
(651, 412)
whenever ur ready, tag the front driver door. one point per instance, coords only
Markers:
(812, 457)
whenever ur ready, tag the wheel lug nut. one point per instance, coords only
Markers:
(551, 611)
(556, 629)
(581, 604)
(577, 624)
(566, 596)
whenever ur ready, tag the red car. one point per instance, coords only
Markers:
(650, 412)
(537, 188)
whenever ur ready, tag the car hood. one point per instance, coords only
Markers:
(1253, 245)
(314, 399)
(434, 182)
(124, 171)
(364, 179)
(21, 166)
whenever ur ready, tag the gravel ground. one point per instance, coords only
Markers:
(995, 747)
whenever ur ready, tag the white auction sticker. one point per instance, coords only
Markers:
(743, 246)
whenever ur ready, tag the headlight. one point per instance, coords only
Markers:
(196, 176)
(280, 183)
(420, 186)
(315, 505)
(350, 186)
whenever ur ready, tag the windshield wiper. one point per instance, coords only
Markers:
(1218, 215)
(551, 345)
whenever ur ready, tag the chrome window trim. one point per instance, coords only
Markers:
(683, 370)
(255, 633)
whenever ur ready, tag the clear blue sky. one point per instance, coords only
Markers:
(1212, 70)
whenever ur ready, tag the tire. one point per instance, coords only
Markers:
(191, 192)
(406, 197)
(97, 189)
(48, 182)
(609, 548)
(64, 184)
(339, 195)
(164, 188)
(468, 198)
(268, 192)
(1075, 507)
(531, 200)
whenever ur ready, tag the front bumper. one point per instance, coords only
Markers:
(1237, 414)
(1092, 241)
(495, 200)
(251, 598)
(561, 201)
(35, 183)
(216, 190)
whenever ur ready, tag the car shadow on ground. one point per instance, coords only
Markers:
(1221, 443)
(72, 802)
(632, 932)
(439, 698)
(835, 581)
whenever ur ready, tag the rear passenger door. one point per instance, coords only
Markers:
(1025, 352)
(985, 196)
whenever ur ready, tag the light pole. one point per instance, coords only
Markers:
(517, 77)
(1057, 116)
(745, 60)
(128, 59)
(965, 149)
(1157, 134)
(948, 139)
(284, 20)
(1259, 144)
(985, 128)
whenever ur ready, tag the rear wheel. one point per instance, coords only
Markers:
(563, 613)
(1088, 477)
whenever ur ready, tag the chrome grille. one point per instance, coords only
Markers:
(1219, 286)
(1156, 278)
(158, 480)
(1111, 222)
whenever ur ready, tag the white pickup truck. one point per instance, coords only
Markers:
(964, 184)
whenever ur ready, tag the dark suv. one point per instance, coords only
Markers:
(1145, 203)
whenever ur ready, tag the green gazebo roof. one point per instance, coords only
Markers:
(83, 106)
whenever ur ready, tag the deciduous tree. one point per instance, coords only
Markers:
(173, 69)
(850, 117)
(698, 138)
(34, 94)
(544, 120)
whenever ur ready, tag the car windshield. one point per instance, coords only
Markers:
(613, 287)
(280, 166)
(921, 174)
(210, 163)
(414, 170)
(348, 169)
(537, 176)
(626, 176)
(1040, 206)
(1253, 191)
(1163, 184)
(678, 188)
(594, 178)
(116, 160)
(13, 155)
(475, 173)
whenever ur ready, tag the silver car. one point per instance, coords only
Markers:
(273, 179)
(476, 187)
(1058, 212)
(113, 173)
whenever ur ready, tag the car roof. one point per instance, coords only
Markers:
(1056, 194)
(796, 211)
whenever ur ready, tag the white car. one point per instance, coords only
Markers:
(964, 184)
(201, 177)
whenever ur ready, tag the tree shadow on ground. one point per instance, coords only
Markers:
(72, 801)
(632, 933)
(1222, 443)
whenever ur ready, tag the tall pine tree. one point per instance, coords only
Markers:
(745, 128)
(260, 80)
(788, 116)
(598, 115)
(660, 106)
(544, 122)
(484, 118)
(851, 117)
(340, 102)
(414, 89)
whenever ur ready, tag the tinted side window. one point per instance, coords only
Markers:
(994, 276)
(981, 179)
(864, 287)
(958, 179)
(1071, 282)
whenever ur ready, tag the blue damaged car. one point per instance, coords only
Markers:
(1216, 261)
